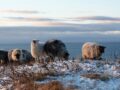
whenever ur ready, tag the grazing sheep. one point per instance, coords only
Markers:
(19, 55)
(3, 56)
(92, 51)
(36, 50)
(56, 48)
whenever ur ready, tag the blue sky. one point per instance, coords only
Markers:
(69, 20)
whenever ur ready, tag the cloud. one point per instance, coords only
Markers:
(94, 22)
(116, 32)
(21, 11)
(31, 18)
(96, 19)
(30, 21)
(33, 21)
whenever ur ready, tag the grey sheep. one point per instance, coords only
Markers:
(19, 55)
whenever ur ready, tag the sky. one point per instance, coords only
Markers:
(69, 20)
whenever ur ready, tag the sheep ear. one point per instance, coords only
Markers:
(34, 41)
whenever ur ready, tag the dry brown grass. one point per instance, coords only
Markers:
(96, 76)
(92, 76)
(26, 81)
(53, 85)
(31, 85)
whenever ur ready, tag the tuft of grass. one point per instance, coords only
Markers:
(91, 76)
(96, 76)
(26, 81)
(52, 85)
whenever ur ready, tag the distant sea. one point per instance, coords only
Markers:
(112, 49)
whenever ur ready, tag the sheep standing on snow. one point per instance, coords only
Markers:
(3, 56)
(36, 50)
(56, 48)
(92, 51)
(19, 55)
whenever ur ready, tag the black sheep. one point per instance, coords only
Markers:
(3, 56)
(56, 48)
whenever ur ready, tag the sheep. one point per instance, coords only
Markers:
(19, 55)
(36, 50)
(50, 49)
(3, 56)
(56, 48)
(91, 50)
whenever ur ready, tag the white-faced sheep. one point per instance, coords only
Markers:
(37, 50)
(56, 48)
(91, 50)
(19, 55)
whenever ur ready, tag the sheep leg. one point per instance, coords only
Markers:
(37, 59)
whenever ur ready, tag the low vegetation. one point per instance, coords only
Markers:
(96, 76)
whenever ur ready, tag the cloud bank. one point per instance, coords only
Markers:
(67, 34)
(99, 18)
(20, 11)
(39, 21)
(31, 18)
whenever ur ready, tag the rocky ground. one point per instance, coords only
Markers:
(75, 74)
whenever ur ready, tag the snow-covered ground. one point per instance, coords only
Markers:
(72, 73)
